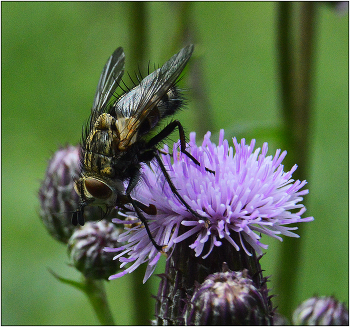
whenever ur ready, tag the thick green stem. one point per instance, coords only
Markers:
(295, 69)
(95, 291)
(143, 302)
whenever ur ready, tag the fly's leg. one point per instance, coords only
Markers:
(137, 205)
(155, 154)
(164, 133)
(174, 190)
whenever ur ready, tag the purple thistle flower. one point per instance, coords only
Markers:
(249, 195)
(321, 311)
(230, 299)
(58, 199)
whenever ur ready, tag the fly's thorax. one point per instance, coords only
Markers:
(101, 146)
(104, 137)
(98, 164)
(105, 122)
(94, 190)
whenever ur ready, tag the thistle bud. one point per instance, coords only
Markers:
(227, 298)
(58, 199)
(321, 311)
(85, 249)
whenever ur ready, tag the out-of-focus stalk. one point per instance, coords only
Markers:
(295, 61)
(143, 308)
(138, 32)
(185, 34)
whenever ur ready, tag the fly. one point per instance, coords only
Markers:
(116, 141)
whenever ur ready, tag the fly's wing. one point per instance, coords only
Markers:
(139, 102)
(109, 80)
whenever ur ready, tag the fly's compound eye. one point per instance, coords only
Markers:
(97, 188)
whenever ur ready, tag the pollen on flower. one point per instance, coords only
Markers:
(249, 195)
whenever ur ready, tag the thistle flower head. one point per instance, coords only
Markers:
(85, 249)
(228, 298)
(58, 199)
(321, 311)
(248, 196)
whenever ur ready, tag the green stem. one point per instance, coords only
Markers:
(138, 32)
(186, 33)
(95, 291)
(295, 69)
(142, 302)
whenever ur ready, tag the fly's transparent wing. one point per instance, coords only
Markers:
(109, 80)
(140, 101)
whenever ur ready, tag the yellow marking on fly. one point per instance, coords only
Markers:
(128, 135)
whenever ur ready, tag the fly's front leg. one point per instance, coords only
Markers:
(136, 204)
(174, 190)
(166, 132)
(151, 209)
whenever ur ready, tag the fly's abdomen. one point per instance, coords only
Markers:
(170, 102)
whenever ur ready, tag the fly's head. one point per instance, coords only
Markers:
(96, 190)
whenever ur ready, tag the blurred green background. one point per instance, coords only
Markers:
(52, 56)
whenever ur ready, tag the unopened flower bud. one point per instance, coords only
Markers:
(321, 311)
(58, 199)
(85, 249)
(228, 298)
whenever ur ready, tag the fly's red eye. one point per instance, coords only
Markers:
(97, 188)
